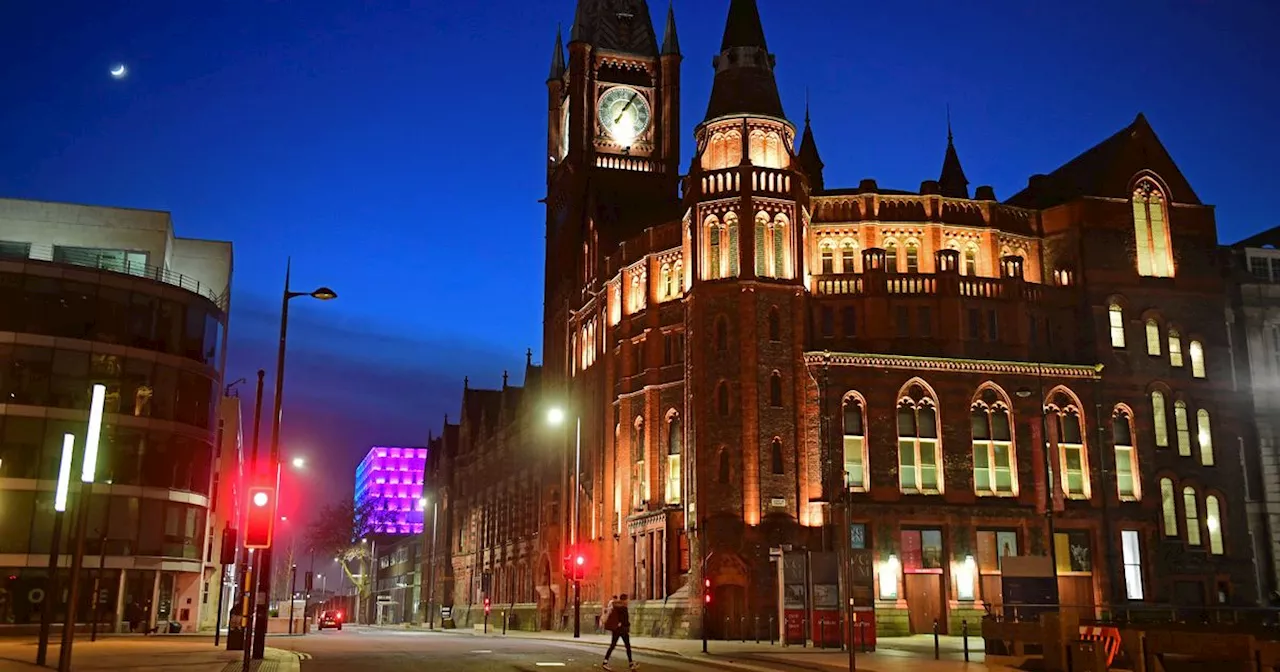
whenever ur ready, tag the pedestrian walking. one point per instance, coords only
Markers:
(619, 624)
(604, 613)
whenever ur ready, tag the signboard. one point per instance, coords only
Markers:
(446, 613)
(795, 597)
(1028, 585)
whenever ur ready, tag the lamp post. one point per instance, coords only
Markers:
(369, 578)
(556, 418)
(88, 470)
(323, 294)
(59, 509)
(431, 566)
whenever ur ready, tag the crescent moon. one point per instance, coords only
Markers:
(118, 71)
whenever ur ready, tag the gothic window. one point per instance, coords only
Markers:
(918, 456)
(775, 325)
(1191, 509)
(775, 457)
(826, 259)
(848, 257)
(1127, 481)
(779, 231)
(724, 150)
(1160, 419)
(993, 452)
(667, 282)
(1068, 435)
(853, 427)
(731, 223)
(1204, 436)
(1182, 427)
(1213, 521)
(762, 250)
(775, 390)
(891, 256)
(913, 257)
(640, 476)
(971, 260)
(715, 245)
(674, 438)
(1151, 231)
(1153, 338)
(1175, 348)
(1196, 351)
(1115, 317)
(1168, 508)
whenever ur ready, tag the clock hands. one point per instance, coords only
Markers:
(626, 107)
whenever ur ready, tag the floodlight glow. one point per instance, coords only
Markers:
(64, 473)
(94, 433)
(259, 499)
(555, 416)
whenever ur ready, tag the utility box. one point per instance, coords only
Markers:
(1087, 656)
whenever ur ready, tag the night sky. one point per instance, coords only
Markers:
(396, 149)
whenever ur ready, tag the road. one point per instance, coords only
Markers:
(373, 650)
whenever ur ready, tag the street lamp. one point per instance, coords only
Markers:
(323, 294)
(431, 563)
(299, 462)
(556, 418)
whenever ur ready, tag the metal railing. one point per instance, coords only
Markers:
(113, 263)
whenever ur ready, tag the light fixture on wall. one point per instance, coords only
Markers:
(966, 574)
(889, 570)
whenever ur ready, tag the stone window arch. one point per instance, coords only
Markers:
(1151, 230)
(995, 470)
(1128, 478)
(775, 389)
(777, 464)
(919, 449)
(1069, 441)
(853, 428)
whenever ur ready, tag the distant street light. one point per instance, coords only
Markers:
(556, 418)
(299, 462)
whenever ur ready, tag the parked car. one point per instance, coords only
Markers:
(330, 618)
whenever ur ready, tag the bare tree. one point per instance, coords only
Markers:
(339, 529)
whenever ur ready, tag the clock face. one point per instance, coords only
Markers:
(624, 113)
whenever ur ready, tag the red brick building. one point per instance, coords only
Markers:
(745, 344)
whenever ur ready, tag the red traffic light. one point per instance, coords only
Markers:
(486, 605)
(580, 561)
(260, 519)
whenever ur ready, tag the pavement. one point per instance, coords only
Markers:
(374, 649)
(137, 653)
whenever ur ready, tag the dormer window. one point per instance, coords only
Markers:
(1151, 231)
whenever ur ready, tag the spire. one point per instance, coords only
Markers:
(810, 160)
(953, 183)
(557, 58)
(744, 82)
(619, 25)
(670, 42)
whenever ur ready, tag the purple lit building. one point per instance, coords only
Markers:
(390, 479)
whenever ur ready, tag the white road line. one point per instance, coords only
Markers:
(483, 651)
(548, 664)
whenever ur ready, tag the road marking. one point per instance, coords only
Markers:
(483, 651)
(548, 664)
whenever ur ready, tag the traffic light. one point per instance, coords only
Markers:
(487, 605)
(576, 563)
(260, 522)
(706, 591)
(579, 565)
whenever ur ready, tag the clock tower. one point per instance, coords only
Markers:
(613, 149)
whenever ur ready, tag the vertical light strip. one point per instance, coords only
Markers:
(94, 433)
(64, 473)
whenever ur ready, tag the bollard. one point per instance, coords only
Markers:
(771, 631)
(742, 629)
(964, 629)
(937, 650)
(504, 622)
(756, 627)
(486, 621)
(864, 625)
(725, 635)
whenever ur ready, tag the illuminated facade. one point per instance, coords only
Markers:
(756, 354)
(389, 482)
(111, 296)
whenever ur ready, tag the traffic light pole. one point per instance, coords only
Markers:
(246, 571)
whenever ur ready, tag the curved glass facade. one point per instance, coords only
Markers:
(156, 349)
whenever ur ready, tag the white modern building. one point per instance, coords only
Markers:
(110, 295)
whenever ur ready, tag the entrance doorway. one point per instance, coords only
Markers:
(924, 603)
(728, 609)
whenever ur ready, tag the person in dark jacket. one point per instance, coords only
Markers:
(619, 623)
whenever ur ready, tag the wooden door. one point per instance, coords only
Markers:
(924, 603)
(1075, 593)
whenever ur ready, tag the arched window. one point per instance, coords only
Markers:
(1153, 338)
(1204, 436)
(1160, 419)
(762, 245)
(639, 291)
(1182, 427)
(775, 457)
(1115, 316)
(826, 258)
(1168, 507)
(665, 281)
(639, 475)
(755, 148)
(1196, 351)
(848, 257)
(722, 334)
(715, 249)
(918, 457)
(1068, 434)
(722, 398)
(775, 390)
(1175, 348)
(1127, 481)
(779, 258)
(971, 260)
(853, 428)
(891, 256)
(1213, 521)
(775, 325)
(1191, 508)
(675, 437)
(1151, 231)
(723, 473)
(731, 223)
(993, 453)
(913, 257)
